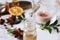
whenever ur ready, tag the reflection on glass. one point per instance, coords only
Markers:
(30, 30)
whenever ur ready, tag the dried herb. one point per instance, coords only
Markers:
(17, 33)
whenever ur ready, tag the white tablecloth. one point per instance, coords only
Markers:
(41, 34)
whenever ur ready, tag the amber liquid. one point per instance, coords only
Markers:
(58, 3)
(29, 37)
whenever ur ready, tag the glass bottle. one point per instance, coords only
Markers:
(14, 3)
(29, 30)
(58, 2)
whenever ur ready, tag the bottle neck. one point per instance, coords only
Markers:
(15, 3)
(15, 0)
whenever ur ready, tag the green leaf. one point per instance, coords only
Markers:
(10, 30)
(49, 29)
(49, 26)
(42, 26)
(58, 25)
(20, 18)
(55, 23)
(18, 22)
(23, 15)
(47, 23)
(56, 29)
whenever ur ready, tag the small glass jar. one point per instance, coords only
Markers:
(29, 30)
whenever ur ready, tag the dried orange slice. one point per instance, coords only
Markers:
(17, 11)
